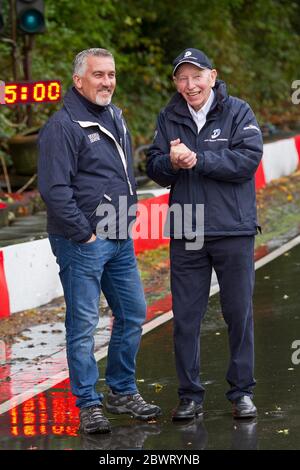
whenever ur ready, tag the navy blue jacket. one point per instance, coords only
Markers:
(81, 163)
(229, 148)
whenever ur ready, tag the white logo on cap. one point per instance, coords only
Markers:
(215, 133)
(187, 54)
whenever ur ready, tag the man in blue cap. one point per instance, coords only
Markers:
(207, 147)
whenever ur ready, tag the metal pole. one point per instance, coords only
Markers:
(27, 64)
(14, 39)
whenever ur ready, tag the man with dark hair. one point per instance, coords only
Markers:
(86, 161)
(207, 147)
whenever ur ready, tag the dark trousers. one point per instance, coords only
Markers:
(191, 270)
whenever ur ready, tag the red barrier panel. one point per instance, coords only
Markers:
(260, 181)
(4, 297)
(297, 142)
(150, 222)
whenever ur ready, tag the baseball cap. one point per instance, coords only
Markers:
(192, 56)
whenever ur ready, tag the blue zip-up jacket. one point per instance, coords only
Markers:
(81, 164)
(229, 148)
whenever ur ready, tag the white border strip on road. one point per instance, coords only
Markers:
(102, 353)
(278, 252)
(39, 388)
(42, 387)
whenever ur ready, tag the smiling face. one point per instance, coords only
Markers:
(97, 82)
(194, 84)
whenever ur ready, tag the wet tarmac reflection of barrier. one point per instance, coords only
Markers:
(48, 413)
(54, 414)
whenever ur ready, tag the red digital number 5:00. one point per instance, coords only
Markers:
(32, 92)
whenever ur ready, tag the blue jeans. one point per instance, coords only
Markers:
(85, 270)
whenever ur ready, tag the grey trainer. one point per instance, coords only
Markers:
(92, 420)
(134, 405)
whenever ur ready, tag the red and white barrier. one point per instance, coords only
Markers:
(29, 273)
(280, 158)
(4, 294)
(29, 276)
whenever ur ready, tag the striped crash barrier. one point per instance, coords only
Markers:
(28, 271)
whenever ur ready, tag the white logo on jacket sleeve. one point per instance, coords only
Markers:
(215, 133)
(251, 126)
(94, 137)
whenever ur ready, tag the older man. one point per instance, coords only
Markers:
(86, 161)
(207, 147)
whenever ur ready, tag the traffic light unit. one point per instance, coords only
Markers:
(30, 16)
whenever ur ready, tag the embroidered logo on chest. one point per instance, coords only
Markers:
(94, 137)
(215, 133)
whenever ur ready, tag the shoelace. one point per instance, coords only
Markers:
(140, 400)
(96, 411)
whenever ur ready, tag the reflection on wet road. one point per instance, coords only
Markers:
(50, 420)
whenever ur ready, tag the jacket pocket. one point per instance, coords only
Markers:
(238, 202)
(223, 205)
(101, 198)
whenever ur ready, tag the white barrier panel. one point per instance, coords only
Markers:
(279, 159)
(31, 274)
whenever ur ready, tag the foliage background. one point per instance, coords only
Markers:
(254, 45)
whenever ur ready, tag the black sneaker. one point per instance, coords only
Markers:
(92, 420)
(134, 405)
(187, 409)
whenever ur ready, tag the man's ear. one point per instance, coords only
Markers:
(174, 81)
(77, 81)
(213, 76)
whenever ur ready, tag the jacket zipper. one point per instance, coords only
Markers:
(126, 158)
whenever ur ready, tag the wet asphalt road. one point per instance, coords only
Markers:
(50, 420)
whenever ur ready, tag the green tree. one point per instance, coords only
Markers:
(253, 44)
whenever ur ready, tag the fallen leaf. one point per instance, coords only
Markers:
(157, 387)
(283, 431)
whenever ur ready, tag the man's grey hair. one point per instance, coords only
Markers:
(79, 64)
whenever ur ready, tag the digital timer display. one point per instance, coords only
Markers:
(46, 91)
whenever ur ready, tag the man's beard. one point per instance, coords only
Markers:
(103, 101)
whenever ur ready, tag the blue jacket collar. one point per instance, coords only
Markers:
(79, 112)
(177, 105)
